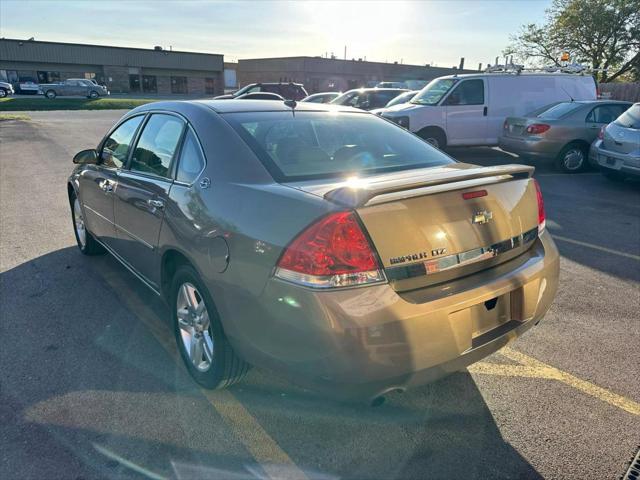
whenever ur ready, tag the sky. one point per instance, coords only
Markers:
(436, 32)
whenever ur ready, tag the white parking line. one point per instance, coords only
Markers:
(596, 247)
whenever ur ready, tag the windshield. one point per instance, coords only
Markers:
(404, 98)
(559, 110)
(331, 145)
(630, 118)
(434, 91)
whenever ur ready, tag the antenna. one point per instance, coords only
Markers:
(291, 104)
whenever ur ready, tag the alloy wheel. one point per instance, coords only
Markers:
(573, 159)
(78, 222)
(195, 327)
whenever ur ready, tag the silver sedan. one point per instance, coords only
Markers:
(561, 131)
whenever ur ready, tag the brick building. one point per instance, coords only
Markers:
(123, 70)
(326, 74)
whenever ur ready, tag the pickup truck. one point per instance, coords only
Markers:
(73, 86)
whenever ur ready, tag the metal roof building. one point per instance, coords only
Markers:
(123, 70)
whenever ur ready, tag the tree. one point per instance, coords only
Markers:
(602, 33)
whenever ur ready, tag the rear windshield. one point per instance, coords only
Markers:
(331, 145)
(559, 110)
(630, 118)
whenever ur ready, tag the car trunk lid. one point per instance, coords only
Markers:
(432, 225)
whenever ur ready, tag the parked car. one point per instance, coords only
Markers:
(391, 85)
(470, 109)
(290, 91)
(335, 248)
(324, 97)
(402, 98)
(561, 131)
(259, 96)
(28, 86)
(73, 86)
(6, 89)
(617, 149)
(367, 98)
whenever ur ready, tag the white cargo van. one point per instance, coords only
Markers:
(470, 109)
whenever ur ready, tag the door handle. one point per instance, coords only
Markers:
(155, 203)
(106, 186)
(484, 111)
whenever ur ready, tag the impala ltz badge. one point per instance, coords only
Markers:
(482, 217)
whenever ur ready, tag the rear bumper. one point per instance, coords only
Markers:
(624, 163)
(362, 342)
(530, 147)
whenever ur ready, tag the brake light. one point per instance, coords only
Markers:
(538, 128)
(601, 132)
(474, 194)
(505, 125)
(332, 252)
(541, 213)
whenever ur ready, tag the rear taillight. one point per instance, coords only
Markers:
(332, 252)
(505, 125)
(541, 214)
(538, 128)
(601, 132)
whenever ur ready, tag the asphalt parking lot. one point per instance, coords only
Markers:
(91, 385)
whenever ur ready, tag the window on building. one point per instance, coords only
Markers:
(89, 75)
(157, 144)
(48, 77)
(178, 84)
(134, 83)
(209, 86)
(149, 84)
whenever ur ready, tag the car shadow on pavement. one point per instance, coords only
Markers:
(83, 365)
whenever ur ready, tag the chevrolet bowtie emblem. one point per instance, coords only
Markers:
(481, 218)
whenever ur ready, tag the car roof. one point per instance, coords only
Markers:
(238, 106)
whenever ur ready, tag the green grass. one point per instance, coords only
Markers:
(17, 104)
(13, 116)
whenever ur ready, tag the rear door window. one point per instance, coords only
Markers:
(157, 145)
(191, 159)
(605, 113)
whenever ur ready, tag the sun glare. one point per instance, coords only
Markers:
(364, 28)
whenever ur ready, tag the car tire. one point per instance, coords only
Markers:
(434, 137)
(50, 94)
(573, 158)
(203, 346)
(93, 94)
(613, 175)
(3, 93)
(87, 244)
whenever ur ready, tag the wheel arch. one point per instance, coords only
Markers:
(579, 141)
(430, 129)
(172, 259)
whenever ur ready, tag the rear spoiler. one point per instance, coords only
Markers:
(425, 183)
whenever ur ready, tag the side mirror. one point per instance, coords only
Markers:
(85, 157)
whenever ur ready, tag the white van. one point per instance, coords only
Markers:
(470, 109)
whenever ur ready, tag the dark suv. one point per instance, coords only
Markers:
(290, 91)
